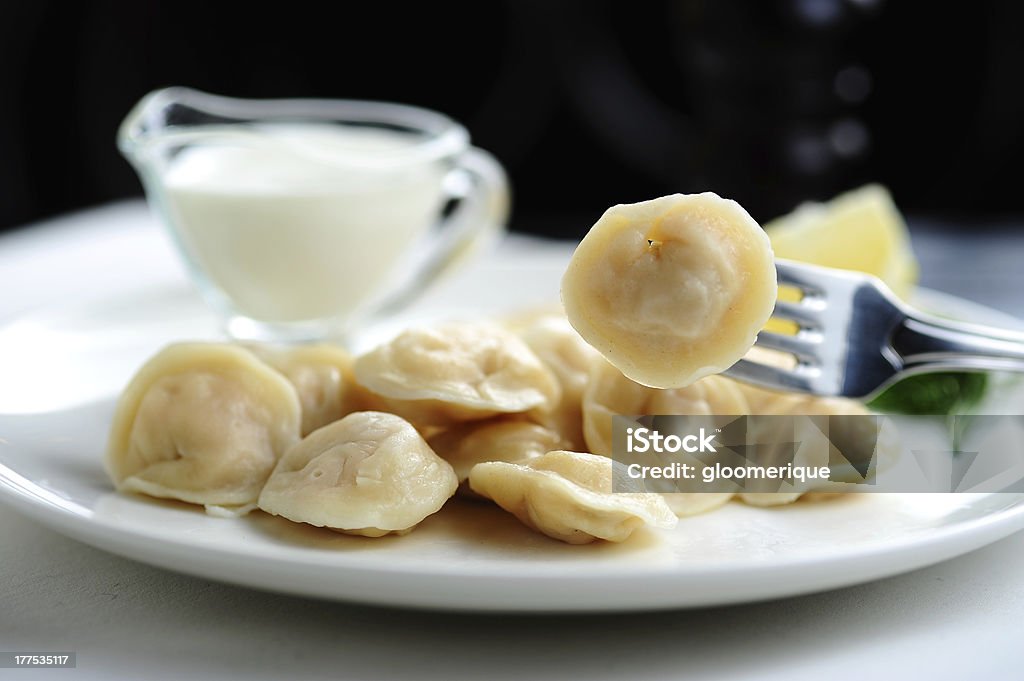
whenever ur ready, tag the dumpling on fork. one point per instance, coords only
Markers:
(673, 289)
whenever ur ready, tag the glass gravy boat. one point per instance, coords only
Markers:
(301, 219)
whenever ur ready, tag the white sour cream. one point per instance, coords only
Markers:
(302, 222)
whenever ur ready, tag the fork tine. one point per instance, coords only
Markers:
(772, 377)
(802, 313)
(803, 345)
(795, 275)
(817, 280)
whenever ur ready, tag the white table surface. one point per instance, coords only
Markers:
(960, 619)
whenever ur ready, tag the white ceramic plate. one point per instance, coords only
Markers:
(61, 369)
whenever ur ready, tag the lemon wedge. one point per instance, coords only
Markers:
(860, 230)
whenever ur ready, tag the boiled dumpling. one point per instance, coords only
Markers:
(568, 496)
(769, 498)
(569, 358)
(763, 401)
(609, 393)
(814, 447)
(456, 372)
(521, 319)
(498, 439)
(368, 474)
(692, 503)
(322, 376)
(673, 289)
(202, 423)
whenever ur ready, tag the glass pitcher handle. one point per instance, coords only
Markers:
(479, 189)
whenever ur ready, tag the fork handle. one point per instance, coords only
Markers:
(922, 342)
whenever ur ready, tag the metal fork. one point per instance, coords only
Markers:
(855, 338)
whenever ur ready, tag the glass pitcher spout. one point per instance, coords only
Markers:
(158, 113)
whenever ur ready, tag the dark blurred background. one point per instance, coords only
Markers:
(586, 103)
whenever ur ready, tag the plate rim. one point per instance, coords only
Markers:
(857, 565)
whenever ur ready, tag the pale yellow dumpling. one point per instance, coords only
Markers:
(693, 503)
(673, 289)
(767, 402)
(814, 447)
(568, 496)
(202, 423)
(455, 372)
(498, 439)
(368, 474)
(322, 376)
(569, 358)
(609, 393)
(518, 320)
